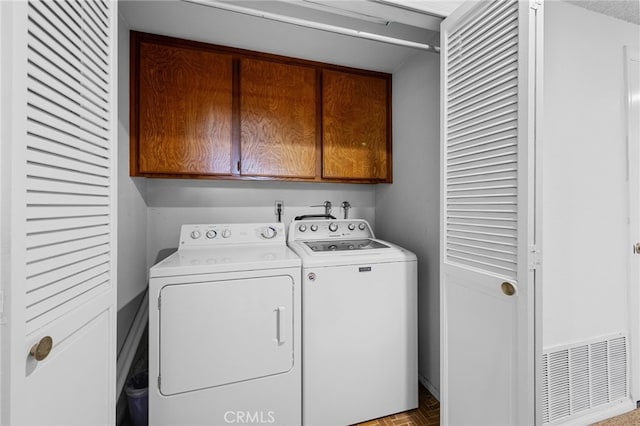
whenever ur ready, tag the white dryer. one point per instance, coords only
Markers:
(224, 329)
(359, 324)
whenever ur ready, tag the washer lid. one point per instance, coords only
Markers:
(225, 259)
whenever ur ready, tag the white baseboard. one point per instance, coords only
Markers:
(432, 389)
(131, 343)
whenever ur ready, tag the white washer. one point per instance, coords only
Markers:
(224, 329)
(359, 324)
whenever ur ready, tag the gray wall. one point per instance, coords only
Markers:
(173, 202)
(407, 212)
(132, 208)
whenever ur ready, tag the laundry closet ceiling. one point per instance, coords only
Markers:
(264, 26)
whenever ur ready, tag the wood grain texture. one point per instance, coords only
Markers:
(355, 126)
(185, 110)
(277, 119)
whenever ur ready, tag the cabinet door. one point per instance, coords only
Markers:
(277, 119)
(355, 125)
(185, 106)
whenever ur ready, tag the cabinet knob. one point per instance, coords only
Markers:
(41, 349)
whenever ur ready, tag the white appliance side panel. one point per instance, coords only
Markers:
(220, 332)
(360, 342)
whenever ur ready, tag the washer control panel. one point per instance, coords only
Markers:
(326, 229)
(233, 233)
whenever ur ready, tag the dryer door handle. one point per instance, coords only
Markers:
(281, 325)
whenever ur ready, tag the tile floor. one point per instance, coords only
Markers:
(427, 414)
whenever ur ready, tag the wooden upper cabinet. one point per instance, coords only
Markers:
(184, 119)
(204, 111)
(356, 126)
(278, 119)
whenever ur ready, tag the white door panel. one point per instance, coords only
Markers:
(483, 374)
(488, 78)
(76, 369)
(243, 327)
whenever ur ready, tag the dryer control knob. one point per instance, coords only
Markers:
(351, 227)
(362, 226)
(211, 234)
(333, 227)
(302, 228)
(226, 233)
(314, 227)
(195, 235)
(269, 232)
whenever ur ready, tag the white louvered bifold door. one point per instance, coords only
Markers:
(62, 121)
(488, 70)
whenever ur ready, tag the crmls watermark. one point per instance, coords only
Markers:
(248, 417)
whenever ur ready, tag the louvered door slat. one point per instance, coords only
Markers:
(63, 150)
(36, 297)
(499, 109)
(66, 256)
(491, 85)
(43, 239)
(53, 225)
(39, 114)
(42, 44)
(51, 309)
(41, 157)
(496, 57)
(494, 18)
(37, 211)
(60, 277)
(95, 28)
(45, 171)
(63, 82)
(53, 115)
(65, 199)
(40, 130)
(485, 74)
(50, 186)
(73, 109)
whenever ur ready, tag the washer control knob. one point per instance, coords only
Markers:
(362, 226)
(269, 232)
(195, 234)
(351, 227)
(211, 234)
(314, 227)
(226, 233)
(333, 227)
(302, 227)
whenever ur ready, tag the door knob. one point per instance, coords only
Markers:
(508, 288)
(41, 349)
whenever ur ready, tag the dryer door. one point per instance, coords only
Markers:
(220, 332)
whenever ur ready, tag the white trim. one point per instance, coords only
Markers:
(633, 152)
(536, 156)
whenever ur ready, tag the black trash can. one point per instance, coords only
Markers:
(137, 390)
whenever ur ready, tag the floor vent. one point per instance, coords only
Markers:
(585, 376)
